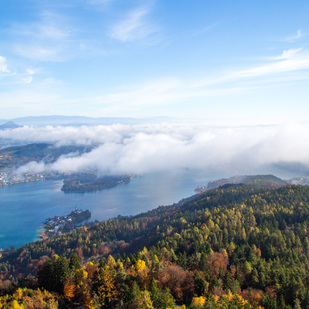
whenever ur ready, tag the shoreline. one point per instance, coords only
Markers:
(42, 233)
(50, 200)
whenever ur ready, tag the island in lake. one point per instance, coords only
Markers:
(86, 182)
(61, 224)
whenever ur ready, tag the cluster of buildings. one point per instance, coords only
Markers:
(299, 181)
(7, 179)
(201, 189)
(58, 224)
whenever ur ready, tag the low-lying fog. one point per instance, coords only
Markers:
(140, 149)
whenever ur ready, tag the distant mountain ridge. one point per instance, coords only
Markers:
(267, 181)
(9, 125)
(58, 120)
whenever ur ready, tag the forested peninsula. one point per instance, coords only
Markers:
(237, 246)
(87, 182)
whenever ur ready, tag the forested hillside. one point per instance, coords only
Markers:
(15, 156)
(238, 246)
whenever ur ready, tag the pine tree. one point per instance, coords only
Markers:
(143, 301)
(74, 263)
(200, 284)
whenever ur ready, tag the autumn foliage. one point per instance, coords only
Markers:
(237, 246)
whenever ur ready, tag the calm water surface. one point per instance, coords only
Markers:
(23, 207)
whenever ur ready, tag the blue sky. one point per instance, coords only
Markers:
(218, 61)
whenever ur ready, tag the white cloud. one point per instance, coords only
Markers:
(14, 77)
(290, 65)
(152, 93)
(133, 27)
(27, 76)
(292, 60)
(159, 147)
(295, 37)
(288, 54)
(160, 92)
(3, 65)
(173, 90)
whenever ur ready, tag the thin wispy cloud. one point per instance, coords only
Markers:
(295, 37)
(14, 77)
(3, 65)
(162, 92)
(40, 53)
(287, 54)
(291, 65)
(171, 90)
(53, 26)
(292, 60)
(27, 76)
(166, 91)
(206, 29)
(47, 39)
(134, 26)
(149, 58)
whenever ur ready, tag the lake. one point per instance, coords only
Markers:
(24, 207)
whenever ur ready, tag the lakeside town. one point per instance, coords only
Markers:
(78, 182)
(61, 224)
(7, 178)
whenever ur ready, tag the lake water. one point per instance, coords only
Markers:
(23, 207)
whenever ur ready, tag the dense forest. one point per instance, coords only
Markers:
(238, 246)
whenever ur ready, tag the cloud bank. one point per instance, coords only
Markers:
(141, 149)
